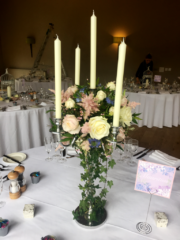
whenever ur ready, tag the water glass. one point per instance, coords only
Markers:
(133, 147)
(126, 148)
(48, 146)
(55, 144)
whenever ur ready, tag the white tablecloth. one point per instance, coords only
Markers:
(21, 85)
(23, 129)
(57, 195)
(157, 110)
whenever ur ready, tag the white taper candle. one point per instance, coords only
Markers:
(77, 65)
(93, 51)
(119, 83)
(57, 58)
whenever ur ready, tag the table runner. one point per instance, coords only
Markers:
(57, 194)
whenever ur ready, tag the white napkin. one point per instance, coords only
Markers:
(164, 158)
(71, 150)
(43, 104)
(15, 108)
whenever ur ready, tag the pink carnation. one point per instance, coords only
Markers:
(132, 105)
(90, 104)
(85, 146)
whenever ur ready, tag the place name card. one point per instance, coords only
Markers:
(154, 178)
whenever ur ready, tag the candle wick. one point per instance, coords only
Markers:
(57, 36)
(123, 39)
(78, 45)
(93, 12)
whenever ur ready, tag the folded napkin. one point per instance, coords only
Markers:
(43, 104)
(164, 158)
(15, 108)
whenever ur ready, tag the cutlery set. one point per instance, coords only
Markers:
(144, 153)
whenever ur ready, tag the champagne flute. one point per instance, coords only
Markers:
(133, 147)
(2, 203)
(55, 144)
(48, 146)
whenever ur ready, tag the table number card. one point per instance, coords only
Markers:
(154, 178)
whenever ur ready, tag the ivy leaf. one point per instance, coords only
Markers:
(110, 183)
(111, 163)
(75, 214)
(102, 179)
(103, 192)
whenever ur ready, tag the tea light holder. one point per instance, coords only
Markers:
(35, 177)
(4, 227)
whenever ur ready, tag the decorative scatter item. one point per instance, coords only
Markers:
(21, 180)
(14, 188)
(48, 237)
(35, 177)
(161, 219)
(4, 225)
(28, 210)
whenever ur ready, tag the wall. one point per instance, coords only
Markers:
(149, 27)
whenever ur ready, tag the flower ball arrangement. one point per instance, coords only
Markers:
(87, 117)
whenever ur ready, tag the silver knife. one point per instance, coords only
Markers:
(140, 152)
(142, 155)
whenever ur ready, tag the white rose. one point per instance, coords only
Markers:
(125, 116)
(111, 85)
(101, 95)
(71, 124)
(99, 127)
(70, 103)
(111, 111)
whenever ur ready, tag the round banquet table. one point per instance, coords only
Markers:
(157, 110)
(23, 129)
(57, 195)
(20, 85)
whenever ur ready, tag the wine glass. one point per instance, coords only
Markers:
(55, 144)
(48, 146)
(62, 158)
(126, 148)
(120, 151)
(2, 203)
(133, 147)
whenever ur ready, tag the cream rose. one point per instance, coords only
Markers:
(70, 103)
(111, 85)
(101, 95)
(71, 124)
(99, 127)
(125, 116)
(111, 111)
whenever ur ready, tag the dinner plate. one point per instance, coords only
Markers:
(17, 156)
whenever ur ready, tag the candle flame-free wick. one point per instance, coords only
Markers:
(78, 45)
(93, 12)
(57, 36)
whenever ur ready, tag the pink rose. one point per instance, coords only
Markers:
(71, 124)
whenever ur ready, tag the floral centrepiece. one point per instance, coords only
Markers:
(88, 118)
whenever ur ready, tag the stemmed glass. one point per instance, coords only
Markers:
(120, 151)
(48, 146)
(55, 144)
(62, 158)
(1, 189)
(132, 146)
